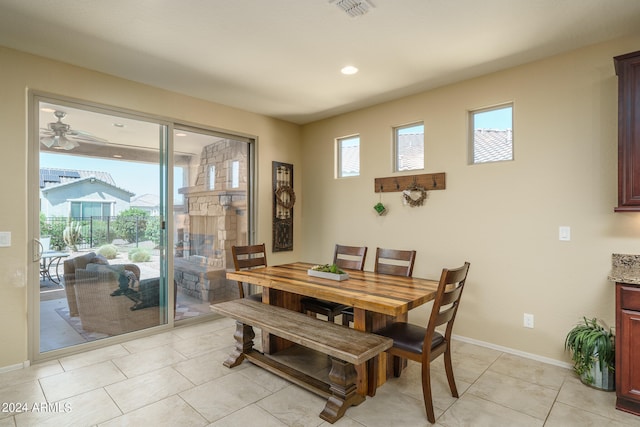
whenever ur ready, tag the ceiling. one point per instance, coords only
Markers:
(282, 58)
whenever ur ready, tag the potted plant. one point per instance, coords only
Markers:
(592, 347)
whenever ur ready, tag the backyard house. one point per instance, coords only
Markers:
(81, 194)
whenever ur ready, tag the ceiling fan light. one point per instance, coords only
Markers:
(67, 144)
(48, 141)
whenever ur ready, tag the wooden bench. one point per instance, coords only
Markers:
(346, 348)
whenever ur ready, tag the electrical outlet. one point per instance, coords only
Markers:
(528, 320)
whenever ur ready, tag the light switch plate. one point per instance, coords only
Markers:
(5, 238)
(565, 233)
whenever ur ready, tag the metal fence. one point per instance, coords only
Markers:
(99, 230)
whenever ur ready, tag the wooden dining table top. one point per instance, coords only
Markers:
(379, 293)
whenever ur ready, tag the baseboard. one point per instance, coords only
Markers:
(15, 367)
(514, 352)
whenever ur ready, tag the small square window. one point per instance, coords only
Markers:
(409, 147)
(212, 177)
(348, 156)
(235, 174)
(491, 134)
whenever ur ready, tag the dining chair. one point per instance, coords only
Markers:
(394, 262)
(247, 257)
(345, 257)
(423, 345)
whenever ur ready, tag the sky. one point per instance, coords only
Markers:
(494, 119)
(139, 178)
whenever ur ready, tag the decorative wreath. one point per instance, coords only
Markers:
(408, 193)
(285, 202)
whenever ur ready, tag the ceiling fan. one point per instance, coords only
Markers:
(60, 135)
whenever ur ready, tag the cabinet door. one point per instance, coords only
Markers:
(629, 367)
(628, 71)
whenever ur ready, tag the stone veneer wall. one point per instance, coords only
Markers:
(217, 220)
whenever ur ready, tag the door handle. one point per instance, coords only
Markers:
(37, 250)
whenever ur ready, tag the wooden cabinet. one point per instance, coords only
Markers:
(628, 71)
(628, 347)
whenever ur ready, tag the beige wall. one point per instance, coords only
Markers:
(502, 217)
(277, 140)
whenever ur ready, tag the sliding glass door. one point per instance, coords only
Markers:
(210, 213)
(115, 253)
(101, 241)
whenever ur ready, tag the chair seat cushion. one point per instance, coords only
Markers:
(409, 337)
(322, 306)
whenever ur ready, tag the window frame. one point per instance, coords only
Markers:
(396, 153)
(471, 131)
(339, 161)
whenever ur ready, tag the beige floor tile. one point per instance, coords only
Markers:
(220, 397)
(294, 406)
(172, 411)
(410, 383)
(194, 346)
(197, 329)
(147, 343)
(529, 370)
(466, 369)
(81, 380)
(19, 397)
(33, 372)
(390, 408)
(522, 396)
(92, 357)
(567, 416)
(470, 410)
(207, 366)
(249, 416)
(263, 377)
(7, 422)
(86, 409)
(148, 360)
(465, 349)
(147, 388)
(580, 396)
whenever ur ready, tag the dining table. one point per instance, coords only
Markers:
(377, 300)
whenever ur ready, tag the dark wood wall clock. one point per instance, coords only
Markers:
(283, 200)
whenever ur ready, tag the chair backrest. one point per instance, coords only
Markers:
(246, 257)
(350, 257)
(394, 262)
(445, 305)
(45, 244)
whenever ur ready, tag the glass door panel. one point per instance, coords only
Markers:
(101, 210)
(210, 214)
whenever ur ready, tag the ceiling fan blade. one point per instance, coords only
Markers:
(79, 134)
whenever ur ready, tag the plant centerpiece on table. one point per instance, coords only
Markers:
(328, 271)
(592, 347)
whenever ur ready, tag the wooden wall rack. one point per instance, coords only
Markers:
(430, 181)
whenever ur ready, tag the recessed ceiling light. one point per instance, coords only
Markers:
(349, 70)
(118, 125)
(48, 110)
(181, 134)
(117, 156)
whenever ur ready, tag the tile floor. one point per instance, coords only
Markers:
(176, 378)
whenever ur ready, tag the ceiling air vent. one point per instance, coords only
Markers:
(354, 8)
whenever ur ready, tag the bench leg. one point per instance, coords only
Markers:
(244, 336)
(343, 390)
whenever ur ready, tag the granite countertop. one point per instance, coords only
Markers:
(625, 268)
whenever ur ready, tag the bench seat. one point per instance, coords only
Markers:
(345, 346)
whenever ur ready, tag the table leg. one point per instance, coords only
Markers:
(343, 390)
